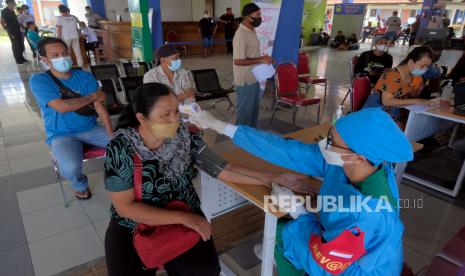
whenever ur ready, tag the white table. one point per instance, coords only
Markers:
(423, 124)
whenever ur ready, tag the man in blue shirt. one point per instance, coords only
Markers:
(66, 129)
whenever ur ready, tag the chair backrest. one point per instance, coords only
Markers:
(206, 81)
(130, 86)
(109, 87)
(133, 69)
(105, 71)
(352, 64)
(287, 79)
(361, 90)
(303, 64)
(171, 36)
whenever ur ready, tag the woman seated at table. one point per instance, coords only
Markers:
(401, 85)
(356, 162)
(169, 71)
(150, 128)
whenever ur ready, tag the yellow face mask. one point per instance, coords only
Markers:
(168, 131)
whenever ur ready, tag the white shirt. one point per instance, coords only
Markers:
(69, 29)
(24, 18)
(90, 34)
(92, 18)
(393, 24)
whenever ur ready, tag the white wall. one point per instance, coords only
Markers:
(221, 5)
(77, 9)
(113, 7)
(175, 10)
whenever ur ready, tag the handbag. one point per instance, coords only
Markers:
(157, 245)
(67, 93)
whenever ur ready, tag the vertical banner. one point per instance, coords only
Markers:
(313, 17)
(141, 36)
(267, 31)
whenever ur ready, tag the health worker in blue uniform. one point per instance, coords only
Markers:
(355, 160)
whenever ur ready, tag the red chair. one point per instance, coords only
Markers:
(359, 92)
(89, 153)
(305, 77)
(172, 39)
(288, 91)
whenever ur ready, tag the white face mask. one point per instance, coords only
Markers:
(331, 157)
(381, 47)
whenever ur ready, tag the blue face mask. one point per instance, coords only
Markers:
(175, 65)
(418, 72)
(62, 64)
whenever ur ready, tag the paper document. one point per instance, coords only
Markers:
(263, 72)
(418, 107)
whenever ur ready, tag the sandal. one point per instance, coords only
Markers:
(84, 195)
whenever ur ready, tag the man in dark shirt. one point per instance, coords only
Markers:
(338, 40)
(374, 62)
(207, 27)
(229, 28)
(10, 23)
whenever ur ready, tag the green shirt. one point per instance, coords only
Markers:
(377, 185)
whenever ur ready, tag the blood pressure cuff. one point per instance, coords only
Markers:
(208, 160)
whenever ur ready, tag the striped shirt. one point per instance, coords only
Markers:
(182, 79)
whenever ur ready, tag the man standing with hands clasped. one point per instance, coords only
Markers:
(246, 56)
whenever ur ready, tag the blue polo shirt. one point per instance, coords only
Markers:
(45, 90)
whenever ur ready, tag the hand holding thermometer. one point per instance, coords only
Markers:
(190, 109)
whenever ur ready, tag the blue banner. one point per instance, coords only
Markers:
(349, 9)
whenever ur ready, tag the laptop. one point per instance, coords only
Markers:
(459, 98)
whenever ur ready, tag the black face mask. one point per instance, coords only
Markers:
(257, 21)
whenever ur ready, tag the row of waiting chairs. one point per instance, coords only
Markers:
(206, 81)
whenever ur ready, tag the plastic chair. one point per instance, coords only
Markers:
(207, 84)
(305, 77)
(89, 153)
(172, 39)
(134, 69)
(130, 86)
(112, 103)
(359, 92)
(288, 91)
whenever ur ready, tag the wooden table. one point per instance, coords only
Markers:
(257, 194)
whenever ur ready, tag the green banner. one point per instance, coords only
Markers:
(314, 17)
(141, 37)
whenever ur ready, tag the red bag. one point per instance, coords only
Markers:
(337, 255)
(159, 245)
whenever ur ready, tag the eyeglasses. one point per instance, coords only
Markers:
(329, 141)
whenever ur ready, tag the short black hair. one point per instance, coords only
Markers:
(87, 8)
(10, 1)
(63, 8)
(46, 41)
(28, 24)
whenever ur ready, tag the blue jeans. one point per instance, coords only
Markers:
(207, 41)
(248, 104)
(67, 151)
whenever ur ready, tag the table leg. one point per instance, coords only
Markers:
(269, 238)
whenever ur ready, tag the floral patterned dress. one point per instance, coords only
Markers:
(391, 82)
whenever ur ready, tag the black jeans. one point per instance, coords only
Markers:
(229, 37)
(122, 258)
(17, 45)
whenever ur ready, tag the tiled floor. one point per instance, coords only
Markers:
(39, 236)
